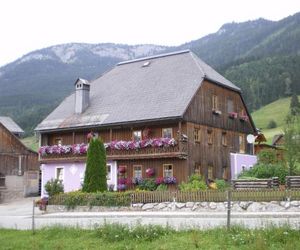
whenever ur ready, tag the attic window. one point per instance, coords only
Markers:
(146, 64)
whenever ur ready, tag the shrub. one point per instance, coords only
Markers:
(162, 187)
(53, 187)
(193, 185)
(267, 171)
(267, 156)
(95, 173)
(148, 185)
(78, 198)
(272, 124)
(221, 184)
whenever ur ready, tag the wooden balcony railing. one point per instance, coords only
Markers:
(178, 151)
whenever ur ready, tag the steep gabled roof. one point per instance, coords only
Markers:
(146, 89)
(11, 125)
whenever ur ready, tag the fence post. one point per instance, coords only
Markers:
(33, 225)
(228, 208)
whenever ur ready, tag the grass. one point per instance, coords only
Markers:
(150, 237)
(31, 142)
(276, 111)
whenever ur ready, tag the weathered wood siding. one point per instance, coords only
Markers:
(179, 167)
(13, 153)
(200, 109)
(107, 135)
(200, 115)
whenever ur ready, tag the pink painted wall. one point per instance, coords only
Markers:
(238, 162)
(72, 178)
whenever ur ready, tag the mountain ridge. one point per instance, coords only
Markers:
(237, 50)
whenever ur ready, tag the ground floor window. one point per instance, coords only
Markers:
(210, 173)
(137, 171)
(59, 173)
(197, 169)
(168, 170)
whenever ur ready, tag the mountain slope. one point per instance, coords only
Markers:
(276, 111)
(262, 57)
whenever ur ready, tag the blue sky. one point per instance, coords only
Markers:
(34, 24)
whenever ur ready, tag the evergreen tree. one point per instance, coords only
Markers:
(95, 172)
(295, 105)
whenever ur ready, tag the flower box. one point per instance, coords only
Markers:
(217, 112)
(233, 115)
(150, 172)
(244, 118)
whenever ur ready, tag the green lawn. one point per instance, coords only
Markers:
(276, 111)
(31, 142)
(154, 237)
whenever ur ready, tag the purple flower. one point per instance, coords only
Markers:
(121, 186)
(137, 180)
(170, 180)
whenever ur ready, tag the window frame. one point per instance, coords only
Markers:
(63, 173)
(197, 135)
(162, 132)
(137, 131)
(172, 170)
(210, 137)
(58, 139)
(242, 144)
(134, 171)
(210, 171)
(224, 139)
(227, 108)
(215, 102)
(197, 169)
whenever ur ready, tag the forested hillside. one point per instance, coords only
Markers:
(261, 56)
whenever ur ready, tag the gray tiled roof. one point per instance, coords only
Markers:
(11, 125)
(130, 92)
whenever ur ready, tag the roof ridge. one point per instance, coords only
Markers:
(154, 56)
(196, 58)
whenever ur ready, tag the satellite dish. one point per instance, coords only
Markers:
(250, 138)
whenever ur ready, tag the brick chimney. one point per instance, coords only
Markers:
(82, 95)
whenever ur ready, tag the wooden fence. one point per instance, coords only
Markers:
(254, 184)
(292, 182)
(215, 196)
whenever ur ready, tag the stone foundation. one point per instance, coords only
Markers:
(240, 206)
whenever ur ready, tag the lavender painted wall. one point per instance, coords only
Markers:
(239, 162)
(73, 175)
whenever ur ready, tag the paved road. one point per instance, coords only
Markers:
(18, 215)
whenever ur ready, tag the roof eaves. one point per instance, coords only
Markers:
(167, 119)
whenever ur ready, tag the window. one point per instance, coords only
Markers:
(2, 180)
(230, 108)
(167, 133)
(224, 139)
(214, 102)
(210, 137)
(59, 174)
(210, 173)
(243, 168)
(197, 169)
(137, 171)
(168, 170)
(225, 170)
(57, 141)
(242, 143)
(197, 135)
(108, 169)
(137, 135)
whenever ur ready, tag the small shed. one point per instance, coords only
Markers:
(19, 167)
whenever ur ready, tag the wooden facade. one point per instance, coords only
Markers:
(19, 167)
(206, 135)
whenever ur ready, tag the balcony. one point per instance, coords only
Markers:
(150, 149)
